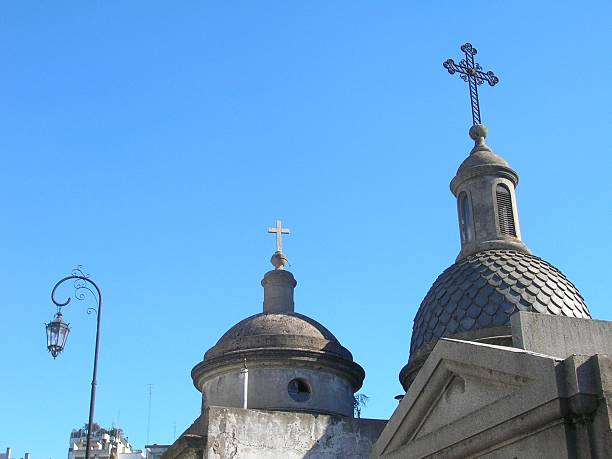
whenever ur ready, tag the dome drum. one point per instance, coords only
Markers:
(294, 364)
(278, 358)
(330, 390)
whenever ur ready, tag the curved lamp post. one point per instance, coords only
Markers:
(57, 330)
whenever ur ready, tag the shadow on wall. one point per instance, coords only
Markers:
(347, 438)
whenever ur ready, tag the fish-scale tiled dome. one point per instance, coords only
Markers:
(483, 290)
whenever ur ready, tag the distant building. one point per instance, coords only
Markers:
(7, 455)
(155, 451)
(105, 443)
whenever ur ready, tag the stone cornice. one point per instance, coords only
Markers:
(494, 170)
(501, 335)
(279, 358)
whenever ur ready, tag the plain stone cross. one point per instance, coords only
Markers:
(279, 230)
(471, 72)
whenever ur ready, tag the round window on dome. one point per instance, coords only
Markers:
(299, 390)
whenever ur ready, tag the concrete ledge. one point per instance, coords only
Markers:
(238, 433)
(560, 336)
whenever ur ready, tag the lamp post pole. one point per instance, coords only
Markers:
(82, 282)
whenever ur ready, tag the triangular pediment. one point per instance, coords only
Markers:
(462, 389)
(466, 389)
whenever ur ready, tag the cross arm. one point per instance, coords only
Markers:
(275, 230)
(463, 69)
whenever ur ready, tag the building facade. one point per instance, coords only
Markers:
(8, 452)
(105, 444)
(155, 451)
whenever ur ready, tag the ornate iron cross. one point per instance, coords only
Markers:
(471, 72)
(279, 230)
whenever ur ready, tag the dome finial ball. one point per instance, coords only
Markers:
(279, 260)
(478, 131)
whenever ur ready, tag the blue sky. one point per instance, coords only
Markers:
(154, 143)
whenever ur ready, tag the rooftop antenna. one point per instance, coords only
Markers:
(150, 388)
(118, 420)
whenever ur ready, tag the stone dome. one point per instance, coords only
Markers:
(279, 360)
(278, 331)
(485, 289)
(283, 341)
(280, 348)
(474, 298)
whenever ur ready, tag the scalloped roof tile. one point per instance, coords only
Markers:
(486, 288)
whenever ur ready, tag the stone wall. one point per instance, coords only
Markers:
(239, 433)
(222, 433)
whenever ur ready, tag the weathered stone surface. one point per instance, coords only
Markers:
(191, 443)
(279, 348)
(480, 400)
(278, 289)
(236, 433)
(561, 336)
(289, 330)
(268, 389)
(477, 179)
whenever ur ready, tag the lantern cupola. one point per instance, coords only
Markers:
(486, 201)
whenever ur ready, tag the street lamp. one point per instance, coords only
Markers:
(57, 330)
(57, 333)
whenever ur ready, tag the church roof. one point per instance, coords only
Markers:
(286, 331)
(484, 289)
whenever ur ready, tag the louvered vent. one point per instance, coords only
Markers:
(504, 211)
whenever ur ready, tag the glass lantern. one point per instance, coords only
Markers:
(57, 333)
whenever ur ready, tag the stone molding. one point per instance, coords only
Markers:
(232, 362)
(491, 170)
(501, 336)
